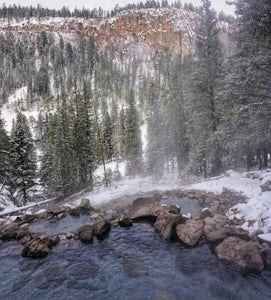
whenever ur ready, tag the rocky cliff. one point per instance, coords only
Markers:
(131, 31)
(156, 29)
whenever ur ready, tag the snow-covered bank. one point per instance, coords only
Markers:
(125, 186)
(256, 212)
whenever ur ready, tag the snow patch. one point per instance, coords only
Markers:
(256, 212)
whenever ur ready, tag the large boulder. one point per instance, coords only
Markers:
(9, 232)
(101, 227)
(144, 208)
(58, 211)
(214, 228)
(217, 228)
(86, 233)
(190, 232)
(40, 246)
(13, 231)
(85, 203)
(242, 253)
(167, 220)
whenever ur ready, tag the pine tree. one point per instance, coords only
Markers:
(250, 85)
(155, 130)
(23, 159)
(4, 153)
(205, 147)
(133, 144)
(84, 138)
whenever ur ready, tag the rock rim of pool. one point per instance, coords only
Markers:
(207, 225)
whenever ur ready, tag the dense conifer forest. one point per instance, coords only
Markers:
(203, 113)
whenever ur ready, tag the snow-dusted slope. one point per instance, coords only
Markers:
(17, 102)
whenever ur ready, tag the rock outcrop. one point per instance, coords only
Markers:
(145, 30)
(242, 253)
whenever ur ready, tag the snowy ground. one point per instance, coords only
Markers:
(125, 186)
(257, 211)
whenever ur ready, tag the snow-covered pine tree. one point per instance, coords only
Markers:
(4, 153)
(205, 150)
(133, 143)
(23, 160)
(84, 143)
(155, 132)
(249, 86)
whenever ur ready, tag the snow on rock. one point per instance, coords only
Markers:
(265, 237)
(256, 212)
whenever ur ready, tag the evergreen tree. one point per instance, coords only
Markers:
(23, 159)
(155, 130)
(84, 139)
(133, 144)
(4, 153)
(205, 148)
(249, 86)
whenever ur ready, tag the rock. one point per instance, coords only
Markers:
(265, 237)
(216, 236)
(29, 218)
(213, 228)
(237, 232)
(173, 209)
(101, 227)
(75, 211)
(54, 240)
(124, 221)
(57, 210)
(144, 208)
(166, 223)
(110, 214)
(86, 233)
(22, 232)
(39, 247)
(266, 186)
(96, 216)
(266, 256)
(85, 203)
(205, 213)
(243, 253)
(190, 232)
(72, 235)
(9, 232)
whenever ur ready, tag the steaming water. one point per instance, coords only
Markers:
(133, 263)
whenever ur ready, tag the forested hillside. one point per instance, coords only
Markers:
(201, 110)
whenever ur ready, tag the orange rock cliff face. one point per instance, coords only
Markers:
(167, 29)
